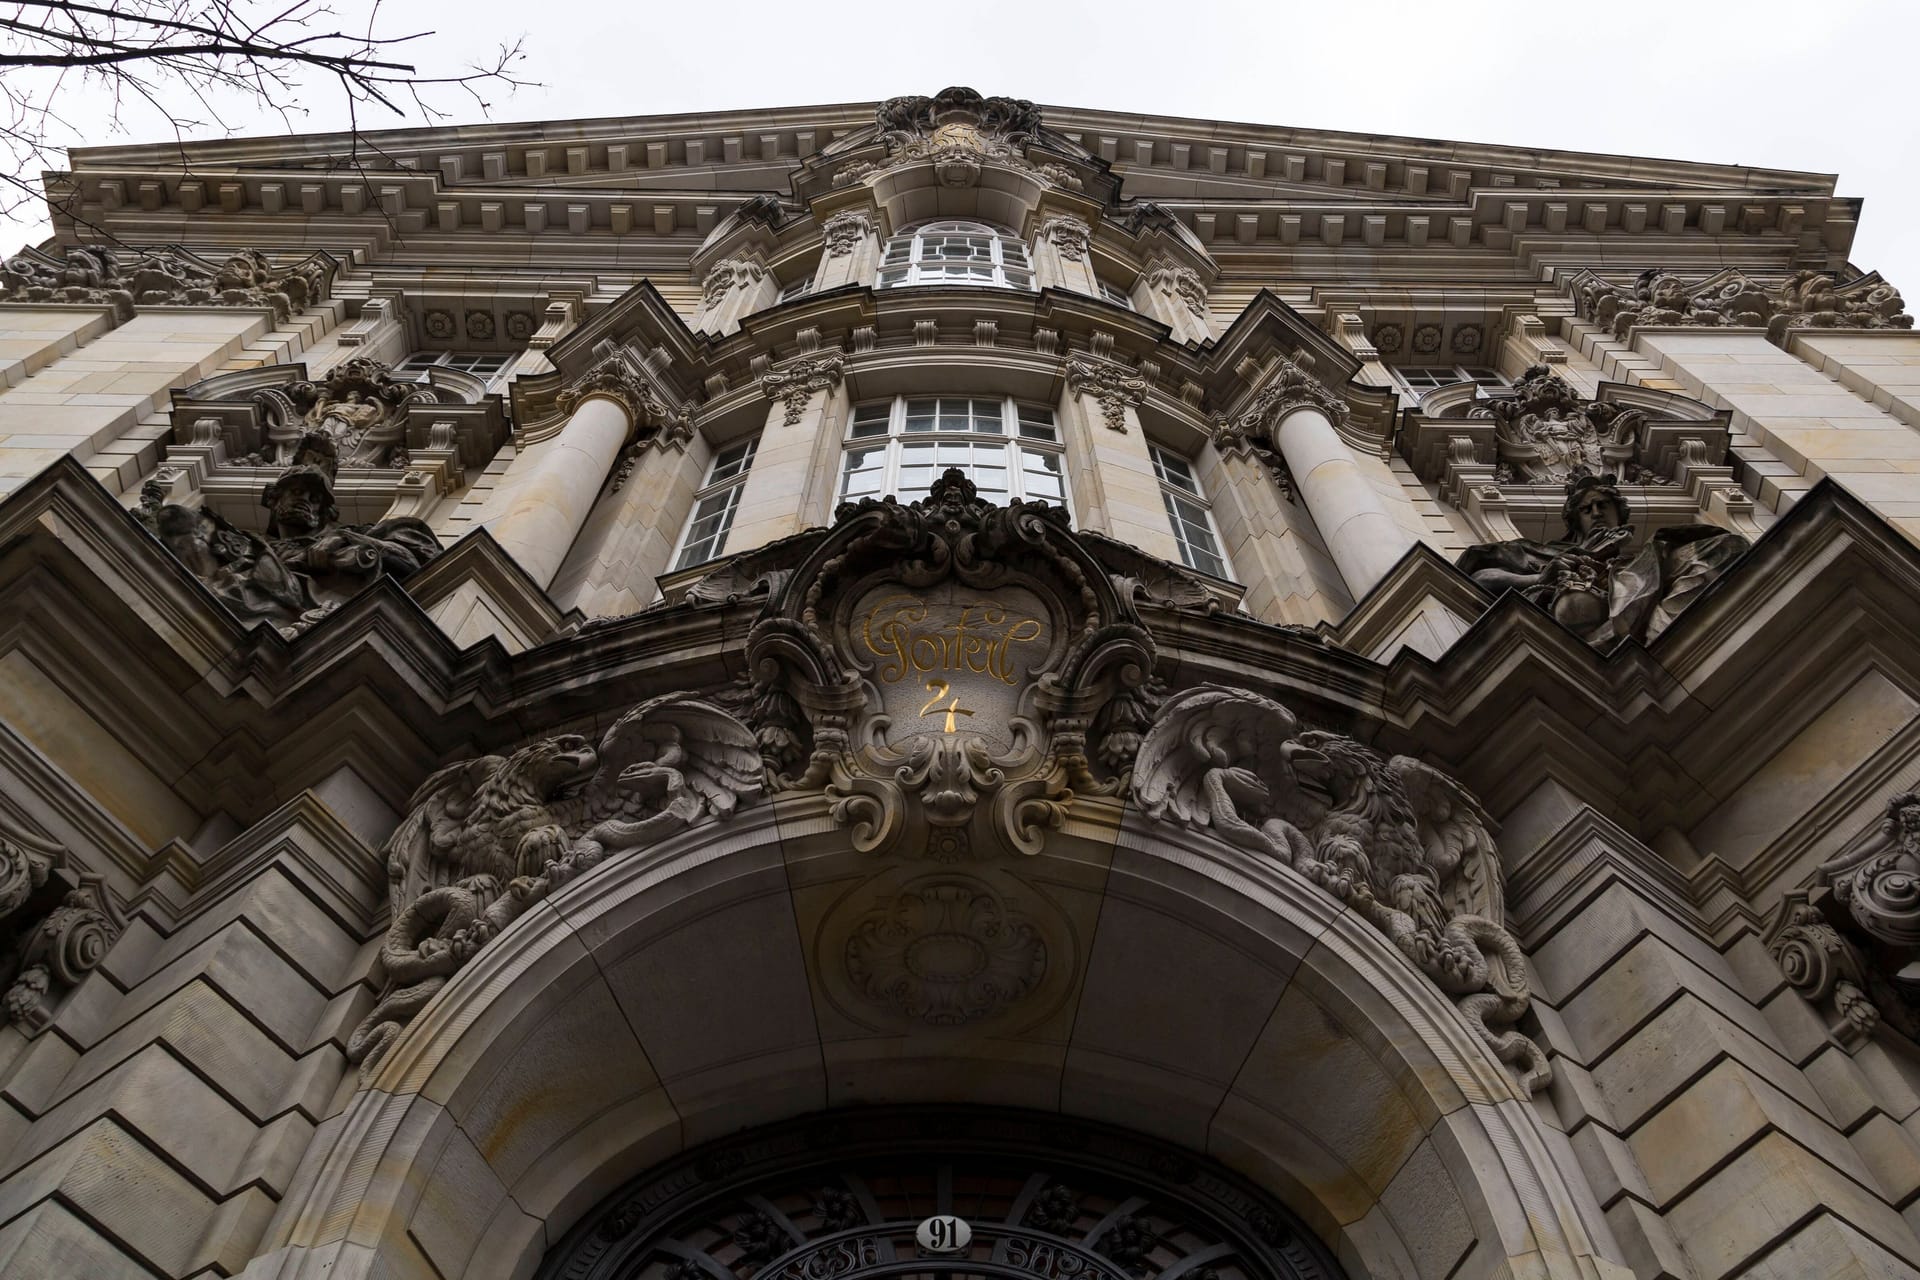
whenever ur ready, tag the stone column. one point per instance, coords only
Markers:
(1062, 257)
(1176, 296)
(852, 251)
(1275, 551)
(1294, 416)
(548, 507)
(734, 288)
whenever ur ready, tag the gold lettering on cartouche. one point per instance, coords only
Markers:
(940, 688)
(980, 640)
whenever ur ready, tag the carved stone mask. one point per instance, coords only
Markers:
(301, 504)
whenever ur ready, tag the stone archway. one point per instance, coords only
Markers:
(1220, 1003)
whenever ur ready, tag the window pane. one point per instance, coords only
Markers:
(732, 461)
(921, 414)
(863, 472)
(708, 529)
(869, 420)
(1037, 423)
(986, 417)
(1042, 476)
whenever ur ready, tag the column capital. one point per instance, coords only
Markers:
(613, 380)
(796, 383)
(1114, 385)
(1291, 388)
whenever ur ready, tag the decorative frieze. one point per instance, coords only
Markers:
(1806, 300)
(796, 384)
(1114, 385)
(94, 275)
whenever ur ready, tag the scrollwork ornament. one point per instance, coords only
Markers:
(1824, 968)
(729, 274)
(1805, 300)
(1879, 885)
(946, 952)
(61, 950)
(796, 384)
(1289, 389)
(1181, 282)
(612, 380)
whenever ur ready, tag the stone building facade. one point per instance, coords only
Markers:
(955, 688)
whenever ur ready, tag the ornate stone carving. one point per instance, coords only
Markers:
(845, 231)
(1114, 385)
(1823, 967)
(1291, 387)
(1404, 845)
(1184, 283)
(946, 951)
(729, 274)
(96, 275)
(956, 130)
(308, 564)
(1589, 582)
(1879, 883)
(1069, 235)
(796, 383)
(358, 405)
(1807, 300)
(614, 380)
(58, 926)
(1548, 430)
(485, 839)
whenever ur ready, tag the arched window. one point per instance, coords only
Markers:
(956, 253)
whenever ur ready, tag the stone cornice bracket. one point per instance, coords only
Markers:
(1069, 235)
(1878, 883)
(612, 380)
(561, 313)
(1824, 967)
(1351, 330)
(1114, 385)
(55, 941)
(795, 384)
(844, 231)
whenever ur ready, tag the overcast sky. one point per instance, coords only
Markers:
(1822, 85)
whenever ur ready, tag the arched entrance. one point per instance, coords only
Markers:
(842, 1196)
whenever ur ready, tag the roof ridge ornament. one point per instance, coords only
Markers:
(957, 130)
(1805, 300)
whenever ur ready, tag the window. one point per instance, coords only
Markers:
(1422, 380)
(955, 253)
(1117, 296)
(901, 446)
(479, 364)
(714, 505)
(1189, 514)
(798, 289)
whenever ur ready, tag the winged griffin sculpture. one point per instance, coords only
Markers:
(1402, 844)
(485, 839)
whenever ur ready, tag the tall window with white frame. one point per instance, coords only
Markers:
(1190, 514)
(955, 253)
(901, 446)
(715, 504)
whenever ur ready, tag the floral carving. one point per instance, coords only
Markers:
(1291, 388)
(97, 275)
(1184, 283)
(50, 954)
(1071, 236)
(1824, 968)
(1404, 845)
(1806, 300)
(485, 839)
(946, 952)
(845, 231)
(796, 384)
(1114, 385)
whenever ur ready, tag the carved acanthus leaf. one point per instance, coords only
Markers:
(728, 274)
(613, 380)
(845, 231)
(1180, 282)
(1070, 235)
(1823, 967)
(53, 941)
(1879, 883)
(1290, 388)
